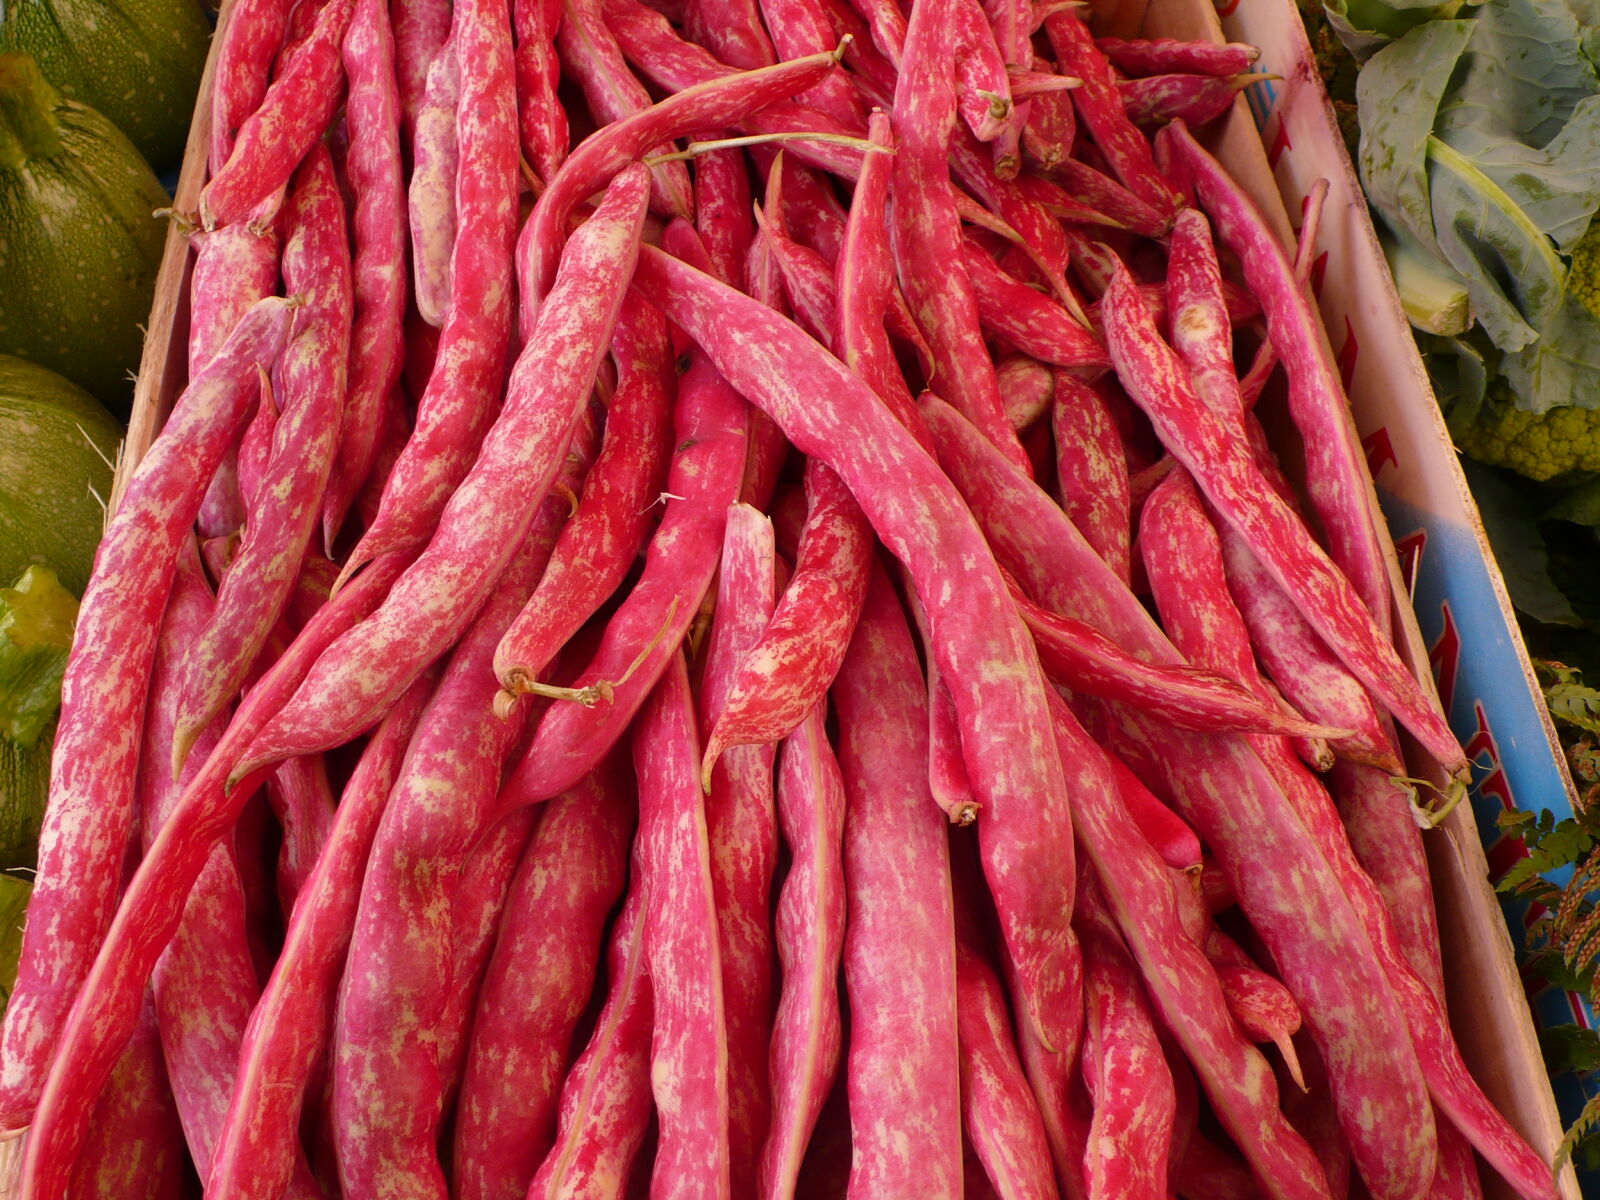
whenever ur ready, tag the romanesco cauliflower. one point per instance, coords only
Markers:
(1562, 441)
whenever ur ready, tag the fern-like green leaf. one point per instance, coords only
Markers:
(1575, 704)
(1583, 1130)
(1560, 846)
(1570, 1048)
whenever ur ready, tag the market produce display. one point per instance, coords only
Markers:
(665, 690)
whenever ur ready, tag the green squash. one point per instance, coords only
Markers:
(57, 444)
(79, 244)
(136, 62)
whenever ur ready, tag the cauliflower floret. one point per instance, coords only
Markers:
(1541, 446)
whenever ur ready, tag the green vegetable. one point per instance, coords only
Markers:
(79, 244)
(136, 62)
(14, 896)
(1433, 296)
(36, 620)
(57, 444)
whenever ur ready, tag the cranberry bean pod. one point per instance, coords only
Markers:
(431, 193)
(401, 947)
(807, 279)
(1158, 56)
(782, 676)
(541, 117)
(731, 30)
(598, 545)
(742, 831)
(1165, 830)
(1194, 99)
(1086, 660)
(1027, 387)
(643, 634)
(1032, 321)
(289, 1028)
(807, 1037)
(1183, 563)
(724, 100)
(689, 1051)
(1091, 472)
(983, 86)
(288, 500)
(87, 825)
(1264, 1009)
(374, 663)
(104, 1014)
(293, 114)
(1075, 186)
(1134, 1102)
(372, 112)
(1037, 231)
(926, 232)
(303, 802)
(539, 978)
(590, 56)
(1183, 987)
(1051, 127)
(247, 42)
(606, 1103)
(888, 24)
(254, 449)
(864, 281)
(978, 639)
(997, 1106)
(135, 1147)
(1312, 678)
(1352, 1009)
(205, 984)
(948, 778)
(233, 268)
(1338, 487)
(1226, 472)
(899, 950)
(799, 28)
(1102, 114)
(1198, 317)
(421, 28)
(722, 211)
(468, 378)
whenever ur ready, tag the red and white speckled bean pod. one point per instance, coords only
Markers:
(1101, 112)
(293, 114)
(742, 830)
(606, 1104)
(790, 668)
(997, 1106)
(289, 1029)
(806, 1033)
(1193, 99)
(421, 28)
(246, 46)
(288, 500)
(1130, 1134)
(710, 431)
(541, 117)
(1051, 126)
(801, 27)
(1157, 56)
(689, 1052)
(87, 824)
(135, 1147)
(1080, 657)
(983, 86)
(468, 378)
(538, 981)
(1027, 388)
(378, 225)
(105, 1012)
(899, 949)
(1226, 472)
(731, 30)
(926, 232)
(982, 645)
(1091, 470)
(716, 102)
(403, 955)
(590, 56)
(598, 545)
(1170, 834)
(361, 674)
(1032, 321)
(303, 801)
(431, 192)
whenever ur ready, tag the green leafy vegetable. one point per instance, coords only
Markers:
(36, 620)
